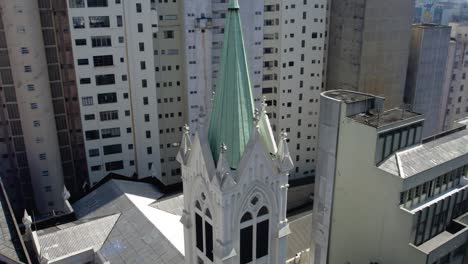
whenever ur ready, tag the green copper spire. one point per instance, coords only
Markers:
(231, 120)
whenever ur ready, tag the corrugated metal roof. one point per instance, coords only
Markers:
(76, 238)
(420, 158)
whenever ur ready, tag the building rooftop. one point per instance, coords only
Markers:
(420, 158)
(12, 247)
(122, 221)
(376, 119)
(300, 238)
(348, 96)
(430, 25)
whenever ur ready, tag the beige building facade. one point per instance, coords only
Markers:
(401, 200)
(368, 47)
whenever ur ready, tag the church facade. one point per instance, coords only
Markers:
(235, 176)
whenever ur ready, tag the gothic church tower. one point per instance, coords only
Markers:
(235, 176)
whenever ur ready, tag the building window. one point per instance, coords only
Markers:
(145, 100)
(96, 168)
(92, 134)
(140, 27)
(168, 34)
(119, 21)
(112, 149)
(87, 100)
(121, 39)
(147, 117)
(42, 156)
(110, 132)
(141, 46)
(33, 105)
(148, 134)
(105, 79)
(48, 188)
(24, 50)
(97, 3)
(144, 83)
(77, 3)
(89, 117)
(114, 165)
(78, 22)
(45, 173)
(203, 232)
(83, 62)
(80, 42)
(30, 87)
(36, 123)
(103, 60)
(101, 41)
(138, 8)
(109, 115)
(254, 229)
(85, 80)
(93, 152)
(99, 22)
(27, 68)
(143, 65)
(149, 150)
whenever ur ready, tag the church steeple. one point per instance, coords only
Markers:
(231, 121)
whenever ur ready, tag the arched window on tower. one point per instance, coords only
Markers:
(254, 236)
(203, 233)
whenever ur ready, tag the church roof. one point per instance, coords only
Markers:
(232, 115)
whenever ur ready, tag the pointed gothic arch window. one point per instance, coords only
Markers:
(254, 236)
(203, 232)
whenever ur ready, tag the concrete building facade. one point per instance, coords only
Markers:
(401, 200)
(41, 144)
(456, 80)
(114, 63)
(368, 47)
(426, 73)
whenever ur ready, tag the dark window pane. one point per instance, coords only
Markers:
(92, 134)
(106, 98)
(104, 60)
(262, 239)
(199, 231)
(246, 217)
(246, 245)
(112, 149)
(105, 79)
(209, 240)
(263, 211)
(114, 165)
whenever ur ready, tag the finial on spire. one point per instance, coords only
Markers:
(186, 129)
(256, 116)
(283, 135)
(233, 4)
(223, 148)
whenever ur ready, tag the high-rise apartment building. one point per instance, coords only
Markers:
(114, 64)
(402, 199)
(456, 105)
(368, 47)
(285, 46)
(41, 142)
(426, 73)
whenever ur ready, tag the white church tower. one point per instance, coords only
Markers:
(235, 177)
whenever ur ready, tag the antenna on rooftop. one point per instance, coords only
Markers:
(404, 107)
(378, 111)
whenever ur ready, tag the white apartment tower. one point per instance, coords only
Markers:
(234, 174)
(30, 138)
(285, 47)
(114, 63)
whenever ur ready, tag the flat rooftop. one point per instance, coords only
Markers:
(347, 96)
(376, 119)
(429, 25)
